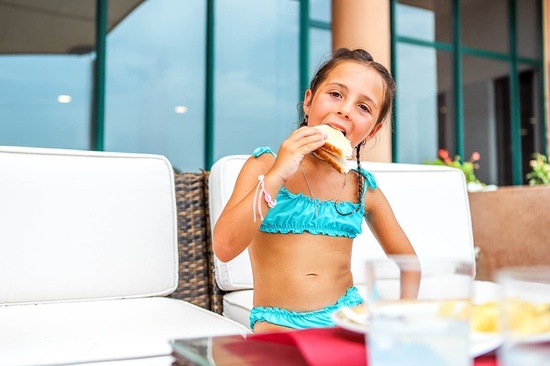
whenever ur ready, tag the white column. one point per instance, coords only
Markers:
(366, 24)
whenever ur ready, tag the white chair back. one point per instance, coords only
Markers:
(78, 225)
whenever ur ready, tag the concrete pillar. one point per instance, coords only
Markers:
(366, 24)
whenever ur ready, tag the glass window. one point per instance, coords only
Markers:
(530, 80)
(528, 28)
(500, 114)
(446, 123)
(487, 119)
(45, 74)
(320, 10)
(485, 25)
(425, 20)
(320, 47)
(424, 102)
(256, 76)
(45, 101)
(155, 82)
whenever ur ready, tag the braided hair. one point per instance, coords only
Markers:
(360, 182)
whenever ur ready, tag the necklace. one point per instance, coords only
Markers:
(317, 201)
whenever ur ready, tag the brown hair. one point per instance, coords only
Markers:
(361, 56)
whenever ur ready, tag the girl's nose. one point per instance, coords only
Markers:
(345, 109)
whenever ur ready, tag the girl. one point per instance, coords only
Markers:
(298, 216)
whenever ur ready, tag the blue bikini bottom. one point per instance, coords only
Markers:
(307, 319)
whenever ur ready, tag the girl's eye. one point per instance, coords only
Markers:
(364, 107)
(335, 94)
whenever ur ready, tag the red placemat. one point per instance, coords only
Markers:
(334, 346)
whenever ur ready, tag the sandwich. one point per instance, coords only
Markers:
(336, 150)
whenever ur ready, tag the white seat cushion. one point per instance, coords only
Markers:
(237, 306)
(93, 331)
(86, 240)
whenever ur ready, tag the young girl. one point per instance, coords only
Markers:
(297, 215)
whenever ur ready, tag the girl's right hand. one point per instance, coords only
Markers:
(293, 150)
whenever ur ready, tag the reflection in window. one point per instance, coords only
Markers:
(487, 130)
(530, 113)
(155, 83)
(424, 20)
(528, 28)
(256, 76)
(446, 126)
(320, 10)
(320, 49)
(485, 25)
(417, 104)
(45, 100)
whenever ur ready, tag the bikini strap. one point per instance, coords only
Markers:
(263, 150)
(370, 179)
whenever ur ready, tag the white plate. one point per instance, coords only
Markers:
(536, 338)
(356, 320)
(353, 319)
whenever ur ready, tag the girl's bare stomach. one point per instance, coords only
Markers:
(300, 272)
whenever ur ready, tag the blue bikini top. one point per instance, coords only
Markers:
(296, 213)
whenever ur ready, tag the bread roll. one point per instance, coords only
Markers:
(336, 150)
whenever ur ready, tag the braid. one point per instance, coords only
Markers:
(360, 184)
(359, 175)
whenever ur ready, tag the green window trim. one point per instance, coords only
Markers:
(98, 109)
(458, 51)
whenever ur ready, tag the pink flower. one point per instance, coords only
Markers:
(444, 156)
(475, 156)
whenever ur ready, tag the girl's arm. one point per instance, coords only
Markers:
(383, 224)
(235, 228)
(385, 228)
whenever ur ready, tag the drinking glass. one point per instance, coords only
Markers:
(525, 315)
(419, 311)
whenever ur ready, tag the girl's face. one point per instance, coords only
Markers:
(349, 99)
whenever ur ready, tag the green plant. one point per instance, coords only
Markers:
(540, 170)
(467, 167)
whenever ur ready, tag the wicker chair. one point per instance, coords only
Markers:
(196, 267)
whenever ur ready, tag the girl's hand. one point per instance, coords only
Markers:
(292, 151)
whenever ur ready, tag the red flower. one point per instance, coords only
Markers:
(443, 154)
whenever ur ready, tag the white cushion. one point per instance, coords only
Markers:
(67, 333)
(86, 240)
(237, 306)
(85, 225)
(430, 202)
